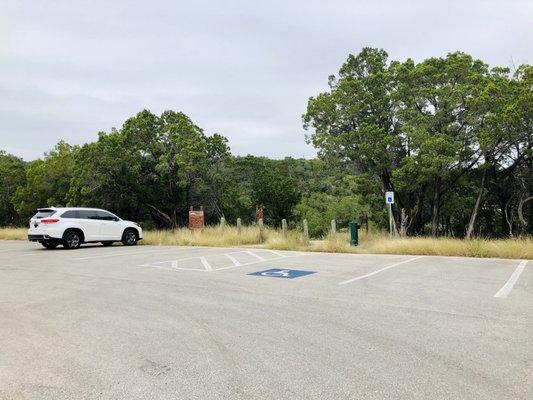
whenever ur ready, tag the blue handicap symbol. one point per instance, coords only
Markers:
(282, 273)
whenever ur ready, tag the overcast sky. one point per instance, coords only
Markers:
(244, 69)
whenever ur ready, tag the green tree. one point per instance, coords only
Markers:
(157, 166)
(12, 175)
(354, 122)
(274, 185)
(439, 123)
(47, 181)
(439, 132)
(320, 208)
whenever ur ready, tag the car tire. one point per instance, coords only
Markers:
(71, 240)
(129, 237)
(106, 244)
(50, 245)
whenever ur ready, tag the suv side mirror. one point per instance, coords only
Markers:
(116, 219)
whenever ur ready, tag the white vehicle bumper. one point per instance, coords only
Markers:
(39, 234)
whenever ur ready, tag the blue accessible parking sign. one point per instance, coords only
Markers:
(282, 273)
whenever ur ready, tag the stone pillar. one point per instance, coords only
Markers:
(196, 219)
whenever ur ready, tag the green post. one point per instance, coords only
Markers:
(354, 233)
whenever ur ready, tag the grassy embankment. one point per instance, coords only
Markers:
(378, 243)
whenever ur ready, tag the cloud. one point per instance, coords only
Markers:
(243, 69)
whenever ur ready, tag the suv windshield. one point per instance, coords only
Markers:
(44, 213)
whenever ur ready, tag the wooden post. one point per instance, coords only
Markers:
(222, 222)
(258, 212)
(306, 230)
(261, 233)
(333, 227)
(239, 223)
(284, 227)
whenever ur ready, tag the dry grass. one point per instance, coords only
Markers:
(379, 243)
(210, 236)
(218, 236)
(13, 233)
(373, 242)
(508, 248)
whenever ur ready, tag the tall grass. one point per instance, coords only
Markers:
(210, 236)
(223, 236)
(372, 242)
(13, 233)
(505, 248)
(379, 243)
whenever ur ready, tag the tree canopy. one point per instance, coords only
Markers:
(440, 133)
(449, 135)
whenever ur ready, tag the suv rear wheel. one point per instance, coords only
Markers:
(129, 238)
(71, 240)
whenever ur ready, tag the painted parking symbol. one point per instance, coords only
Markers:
(282, 273)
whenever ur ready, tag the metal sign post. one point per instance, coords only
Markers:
(389, 200)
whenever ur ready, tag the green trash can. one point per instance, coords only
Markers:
(354, 233)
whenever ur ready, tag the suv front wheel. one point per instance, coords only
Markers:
(129, 238)
(71, 240)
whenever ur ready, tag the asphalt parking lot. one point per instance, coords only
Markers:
(151, 322)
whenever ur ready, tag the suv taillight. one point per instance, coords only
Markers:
(49, 220)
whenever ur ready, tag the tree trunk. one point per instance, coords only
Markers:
(172, 223)
(435, 214)
(174, 220)
(508, 218)
(364, 220)
(403, 224)
(472, 222)
(521, 213)
(415, 225)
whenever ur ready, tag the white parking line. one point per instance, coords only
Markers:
(129, 253)
(4, 250)
(277, 253)
(233, 260)
(357, 278)
(506, 289)
(206, 265)
(38, 252)
(133, 253)
(255, 255)
(173, 264)
(257, 262)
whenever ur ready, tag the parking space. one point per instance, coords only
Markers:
(244, 323)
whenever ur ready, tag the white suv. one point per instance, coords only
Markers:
(73, 226)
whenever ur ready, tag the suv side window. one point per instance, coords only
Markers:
(87, 214)
(70, 214)
(105, 216)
